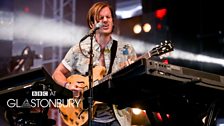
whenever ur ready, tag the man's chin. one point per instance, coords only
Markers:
(107, 32)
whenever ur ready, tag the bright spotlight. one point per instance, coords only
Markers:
(136, 111)
(147, 27)
(137, 28)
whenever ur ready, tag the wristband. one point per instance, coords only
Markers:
(65, 85)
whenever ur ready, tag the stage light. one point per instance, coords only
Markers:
(137, 28)
(159, 26)
(159, 117)
(139, 117)
(161, 13)
(146, 27)
(136, 111)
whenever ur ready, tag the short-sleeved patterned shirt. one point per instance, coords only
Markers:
(76, 62)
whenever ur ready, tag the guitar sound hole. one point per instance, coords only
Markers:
(80, 82)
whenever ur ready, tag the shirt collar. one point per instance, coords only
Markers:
(96, 46)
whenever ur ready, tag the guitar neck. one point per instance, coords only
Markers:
(145, 55)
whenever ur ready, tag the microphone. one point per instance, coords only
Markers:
(92, 31)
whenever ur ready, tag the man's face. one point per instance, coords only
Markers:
(106, 18)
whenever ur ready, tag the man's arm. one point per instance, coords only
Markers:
(59, 74)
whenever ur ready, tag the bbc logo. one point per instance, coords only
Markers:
(39, 93)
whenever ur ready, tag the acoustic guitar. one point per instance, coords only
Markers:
(73, 113)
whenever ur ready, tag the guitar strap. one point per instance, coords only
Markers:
(112, 55)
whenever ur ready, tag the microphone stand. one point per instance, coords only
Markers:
(90, 73)
(90, 98)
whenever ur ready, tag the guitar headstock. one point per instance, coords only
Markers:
(163, 48)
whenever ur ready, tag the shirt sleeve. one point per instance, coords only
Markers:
(70, 60)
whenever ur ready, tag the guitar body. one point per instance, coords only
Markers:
(73, 113)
